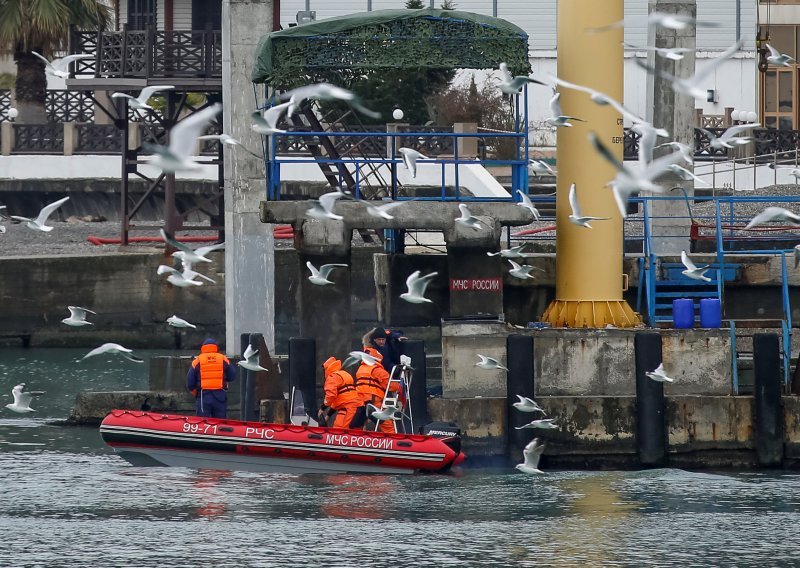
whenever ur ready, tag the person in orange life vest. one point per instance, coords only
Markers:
(208, 380)
(340, 394)
(371, 383)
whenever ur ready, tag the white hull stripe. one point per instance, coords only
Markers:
(280, 444)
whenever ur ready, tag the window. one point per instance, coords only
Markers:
(779, 84)
(141, 14)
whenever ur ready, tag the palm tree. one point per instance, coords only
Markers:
(33, 25)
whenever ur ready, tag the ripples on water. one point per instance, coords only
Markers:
(66, 500)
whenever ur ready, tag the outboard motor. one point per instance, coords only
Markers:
(447, 432)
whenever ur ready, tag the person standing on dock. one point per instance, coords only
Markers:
(208, 379)
(341, 395)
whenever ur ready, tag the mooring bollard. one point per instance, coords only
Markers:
(519, 360)
(418, 397)
(651, 424)
(767, 401)
(303, 372)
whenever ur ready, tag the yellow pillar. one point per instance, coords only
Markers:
(589, 279)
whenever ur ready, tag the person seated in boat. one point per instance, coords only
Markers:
(387, 342)
(371, 383)
(341, 395)
(208, 379)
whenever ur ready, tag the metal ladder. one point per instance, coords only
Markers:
(402, 375)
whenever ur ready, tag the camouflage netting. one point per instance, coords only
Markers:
(389, 39)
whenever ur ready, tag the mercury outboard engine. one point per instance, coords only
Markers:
(447, 432)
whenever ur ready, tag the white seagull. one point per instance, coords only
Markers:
(777, 58)
(386, 413)
(523, 272)
(186, 254)
(576, 218)
(182, 141)
(513, 252)
(540, 168)
(692, 271)
(774, 214)
(526, 404)
(410, 157)
(320, 277)
(417, 285)
(543, 423)
(38, 224)
(695, 86)
(467, 219)
(113, 349)
(266, 122)
(140, 103)
(659, 375)
(510, 84)
(22, 399)
(728, 139)
(671, 53)
(599, 98)
(360, 357)
(382, 211)
(648, 135)
(558, 118)
(175, 321)
(77, 316)
(686, 175)
(525, 202)
(796, 255)
(489, 363)
(228, 140)
(664, 20)
(60, 67)
(250, 360)
(686, 150)
(182, 279)
(326, 92)
(530, 456)
(322, 208)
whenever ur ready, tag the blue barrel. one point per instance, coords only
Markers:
(710, 312)
(683, 313)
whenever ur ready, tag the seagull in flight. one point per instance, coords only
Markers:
(60, 67)
(184, 253)
(360, 357)
(777, 58)
(228, 140)
(526, 404)
(382, 211)
(728, 139)
(695, 86)
(659, 375)
(671, 53)
(693, 271)
(250, 360)
(182, 141)
(513, 252)
(386, 413)
(320, 277)
(522, 272)
(417, 285)
(525, 201)
(686, 175)
(175, 321)
(774, 214)
(182, 279)
(113, 349)
(576, 218)
(543, 423)
(512, 85)
(77, 316)
(322, 208)
(540, 168)
(489, 363)
(38, 224)
(530, 456)
(599, 98)
(325, 92)
(558, 118)
(410, 158)
(648, 135)
(140, 103)
(661, 19)
(22, 399)
(266, 122)
(467, 219)
(686, 150)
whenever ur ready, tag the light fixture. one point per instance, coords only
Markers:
(711, 96)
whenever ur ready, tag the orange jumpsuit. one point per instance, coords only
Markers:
(371, 382)
(340, 393)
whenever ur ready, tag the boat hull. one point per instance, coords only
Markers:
(148, 439)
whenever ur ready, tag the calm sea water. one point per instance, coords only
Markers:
(67, 500)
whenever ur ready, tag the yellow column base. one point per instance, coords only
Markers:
(594, 314)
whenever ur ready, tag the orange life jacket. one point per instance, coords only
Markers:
(371, 380)
(340, 387)
(212, 367)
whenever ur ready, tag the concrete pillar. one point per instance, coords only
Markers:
(134, 135)
(670, 223)
(103, 100)
(249, 255)
(70, 138)
(467, 147)
(6, 138)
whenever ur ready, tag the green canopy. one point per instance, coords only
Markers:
(390, 39)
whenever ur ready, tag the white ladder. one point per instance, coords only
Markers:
(401, 374)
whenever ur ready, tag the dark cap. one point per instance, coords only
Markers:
(210, 341)
(379, 332)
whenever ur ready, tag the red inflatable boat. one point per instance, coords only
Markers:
(145, 438)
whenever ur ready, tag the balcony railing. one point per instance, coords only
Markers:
(148, 53)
